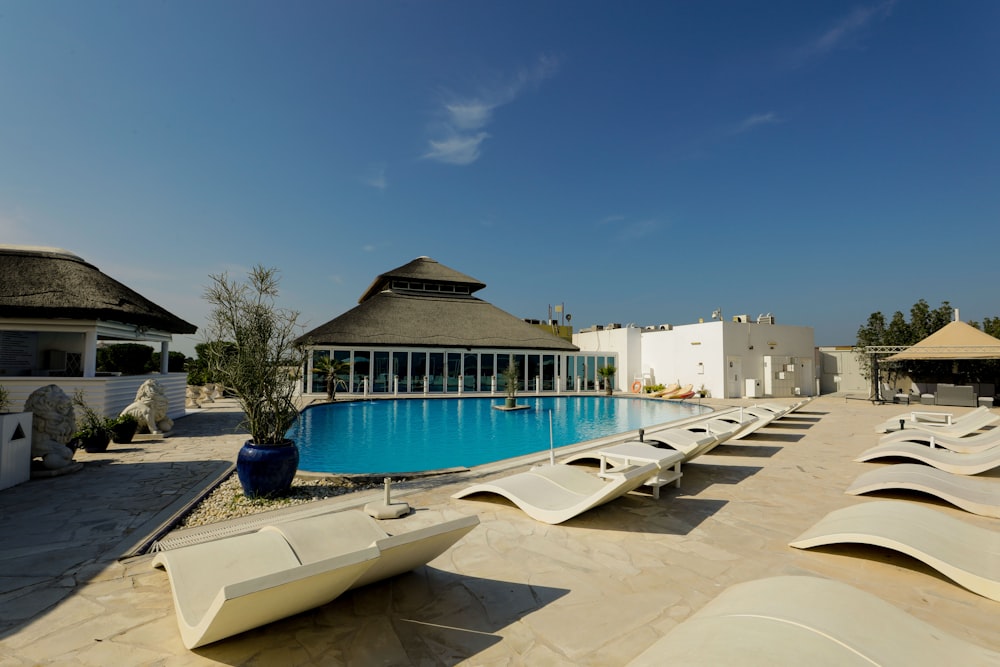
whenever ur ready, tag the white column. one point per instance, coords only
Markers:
(90, 354)
(164, 357)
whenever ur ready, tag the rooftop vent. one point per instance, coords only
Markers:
(765, 319)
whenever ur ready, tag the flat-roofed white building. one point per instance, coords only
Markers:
(742, 357)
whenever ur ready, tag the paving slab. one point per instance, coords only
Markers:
(596, 590)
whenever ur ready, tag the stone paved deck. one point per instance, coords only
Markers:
(596, 590)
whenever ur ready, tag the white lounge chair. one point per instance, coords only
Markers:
(687, 442)
(628, 454)
(979, 495)
(780, 409)
(926, 421)
(942, 459)
(234, 584)
(966, 554)
(720, 429)
(315, 536)
(799, 620)
(556, 493)
(747, 421)
(966, 444)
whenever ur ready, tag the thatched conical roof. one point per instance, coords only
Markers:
(390, 315)
(955, 340)
(51, 283)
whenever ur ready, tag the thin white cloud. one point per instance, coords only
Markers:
(846, 32)
(458, 149)
(639, 230)
(755, 121)
(459, 134)
(470, 115)
(376, 178)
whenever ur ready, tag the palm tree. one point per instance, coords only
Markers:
(330, 369)
(608, 373)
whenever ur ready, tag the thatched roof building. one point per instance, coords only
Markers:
(51, 283)
(426, 304)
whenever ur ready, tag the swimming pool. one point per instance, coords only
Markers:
(411, 435)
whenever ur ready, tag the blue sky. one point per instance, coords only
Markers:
(643, 162)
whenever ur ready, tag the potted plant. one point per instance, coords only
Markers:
(511, 376)
(253, 354)
(93, 430)
(330, 369)
(123, 428)
(608, 373)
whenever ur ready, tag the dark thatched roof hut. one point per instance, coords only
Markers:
(426, 304)
(50, 283)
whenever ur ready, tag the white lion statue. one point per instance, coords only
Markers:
(53, 423)
(150, 408)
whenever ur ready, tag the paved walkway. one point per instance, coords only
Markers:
(596, 590)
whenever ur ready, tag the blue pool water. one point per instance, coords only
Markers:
(429, 434)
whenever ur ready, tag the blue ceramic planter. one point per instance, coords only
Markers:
(267, 471)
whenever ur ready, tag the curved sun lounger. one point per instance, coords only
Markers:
(942, 459)
(967, 444)
(966, 554)
(780, 410)
(669, 389)
(977, 495)
(746, 421)
(314, 537)
(556, 493)
(800, 620)
(687, 442)
(679, 392)
(234, 584)
(239, 583)
(959, 426)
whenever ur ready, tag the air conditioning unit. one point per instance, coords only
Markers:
(666, 327)
(614, 325)
(743, 319)
(765, 319)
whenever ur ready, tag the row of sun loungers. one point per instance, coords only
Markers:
(966, 553)
(809, 620)
(558, 492)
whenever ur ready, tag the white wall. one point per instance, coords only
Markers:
(700, 354)
(840, 371)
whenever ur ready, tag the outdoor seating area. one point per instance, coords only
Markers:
(513, 589)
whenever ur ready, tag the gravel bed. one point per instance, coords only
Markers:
(228, 502)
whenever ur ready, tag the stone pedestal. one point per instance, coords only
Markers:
(15, 448)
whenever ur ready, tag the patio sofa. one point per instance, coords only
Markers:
(960, 395)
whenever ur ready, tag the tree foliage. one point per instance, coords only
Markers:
(331, 369)
(922, 323)
(252, 351)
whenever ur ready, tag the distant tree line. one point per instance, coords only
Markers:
(923, 322)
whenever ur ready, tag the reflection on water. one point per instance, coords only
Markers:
(428, 434)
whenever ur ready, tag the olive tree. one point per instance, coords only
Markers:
(253, 351)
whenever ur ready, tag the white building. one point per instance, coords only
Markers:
(740, 358)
